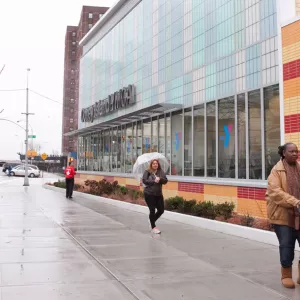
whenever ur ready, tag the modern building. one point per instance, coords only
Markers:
(88, 18)
(200, 81)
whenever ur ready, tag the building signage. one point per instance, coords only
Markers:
(120, 99)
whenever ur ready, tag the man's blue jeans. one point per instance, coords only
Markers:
(287, 237)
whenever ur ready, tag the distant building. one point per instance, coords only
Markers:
(89, 16)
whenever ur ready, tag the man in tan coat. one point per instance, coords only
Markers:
(282, 197)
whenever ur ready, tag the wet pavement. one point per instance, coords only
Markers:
(58, 249)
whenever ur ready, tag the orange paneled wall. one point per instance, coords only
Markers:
(291, 84)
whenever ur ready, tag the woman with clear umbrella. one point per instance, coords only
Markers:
(153, 179)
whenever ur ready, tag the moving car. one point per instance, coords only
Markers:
(33, 171)
(6, 165)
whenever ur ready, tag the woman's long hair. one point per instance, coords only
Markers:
(151, 170)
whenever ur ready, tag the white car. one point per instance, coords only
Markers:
(33, 171)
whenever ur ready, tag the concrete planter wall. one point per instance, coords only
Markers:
(253, 234)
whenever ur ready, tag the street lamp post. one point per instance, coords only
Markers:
(26, 180)
(31, 132)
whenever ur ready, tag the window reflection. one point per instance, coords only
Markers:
(176, 129)
(168, 140)
(226, 130)
(154, 134)
(199, 140)
(188, 119)
(272, 126)
(211, 139)
(147, 136)
(128, 158)
(161, 135)
(255, 167)
(241, 115)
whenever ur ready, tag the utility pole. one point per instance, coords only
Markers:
(26, 180)
(2, 69)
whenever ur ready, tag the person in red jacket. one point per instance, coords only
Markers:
(70, 173)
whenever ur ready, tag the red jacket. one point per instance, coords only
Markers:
(70, 172)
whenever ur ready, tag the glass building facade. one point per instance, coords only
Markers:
(216, 61)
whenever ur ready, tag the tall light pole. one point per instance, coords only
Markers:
(26, 180)
(31, 132)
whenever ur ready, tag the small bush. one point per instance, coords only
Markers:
(123, 190)
(188, 206)
(205, 210)
(225, 209)
(60, 184)
(102, 187)
(174, 204)
(262, 224)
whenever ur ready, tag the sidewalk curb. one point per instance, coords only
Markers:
(257, 235)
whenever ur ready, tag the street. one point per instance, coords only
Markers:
(54, 248)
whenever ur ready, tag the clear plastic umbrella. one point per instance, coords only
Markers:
(143, 162)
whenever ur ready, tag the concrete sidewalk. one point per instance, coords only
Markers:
(54, 248)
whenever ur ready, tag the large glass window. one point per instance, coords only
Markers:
(168, 140)
(114, 150)
(176, 128)
(94, 145)
(241, 115)
(80, 154)
(272, 126)
(100, 151)
(119, 149)
(154, 134)
(123, 148)
(254, 117)
(134, 143)
(188, 142)
(161, 135)
(128, 158)
(139, 139)
(147, 136)
(211, 139)
(199, 140)
(226, 133)
(106, 156)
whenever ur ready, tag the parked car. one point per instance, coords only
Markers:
(2, 163)
(6, 165)
(33, 171)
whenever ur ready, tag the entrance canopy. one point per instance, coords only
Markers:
(141, 114)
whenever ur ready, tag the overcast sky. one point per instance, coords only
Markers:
(32, 36)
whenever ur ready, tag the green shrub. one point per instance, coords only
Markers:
(174, 203)
(188, 206)
(225, 209)
(123, 189)
(205, 210)
(60, 184)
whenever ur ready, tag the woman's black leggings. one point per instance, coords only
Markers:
(155, 202)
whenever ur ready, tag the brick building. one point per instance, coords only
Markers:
(89, 16)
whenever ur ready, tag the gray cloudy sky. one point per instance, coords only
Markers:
(32, 36)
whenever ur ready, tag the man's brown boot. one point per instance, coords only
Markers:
(287, 278)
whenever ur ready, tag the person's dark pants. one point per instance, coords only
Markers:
(69, 187)
(287, 237)
(155, 203)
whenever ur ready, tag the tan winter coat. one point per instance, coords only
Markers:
(280, 204)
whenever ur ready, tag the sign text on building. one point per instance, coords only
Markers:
(121, 99)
